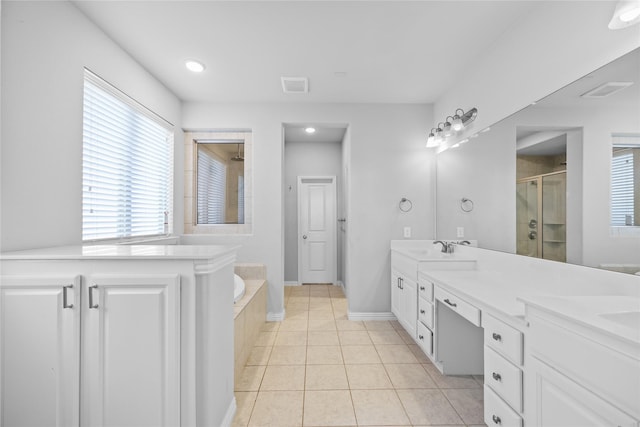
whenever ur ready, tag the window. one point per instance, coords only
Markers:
(127, 166)
(625, 181)
(218, 184)
(212, 183)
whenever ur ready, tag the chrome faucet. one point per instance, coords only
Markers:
(464, 242)
(447, 248)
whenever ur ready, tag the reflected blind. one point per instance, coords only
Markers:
(622, 188)
(127, 166)
(212, 184)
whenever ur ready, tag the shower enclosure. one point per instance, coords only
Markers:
(541, 206)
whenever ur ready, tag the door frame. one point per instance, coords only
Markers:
(333, 224)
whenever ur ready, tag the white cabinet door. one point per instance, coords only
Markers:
(39, 351)
(409, 316)
(396, 295)
(554, 400)
(130, 351)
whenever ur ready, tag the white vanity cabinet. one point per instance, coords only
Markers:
(426, 312)
(577, 375)
(111, 335)
(503, 373)
(39, 351)
(404, 291)
(123, 370)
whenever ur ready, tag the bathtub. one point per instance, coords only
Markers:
(238, 288)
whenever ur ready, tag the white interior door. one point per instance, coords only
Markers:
(317, 248)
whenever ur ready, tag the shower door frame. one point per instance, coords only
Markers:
(539, 180)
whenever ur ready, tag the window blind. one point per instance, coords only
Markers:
(622, 192)
(127, 166)
(211, 188)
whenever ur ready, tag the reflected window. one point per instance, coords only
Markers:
(625, 181)
(217, 187)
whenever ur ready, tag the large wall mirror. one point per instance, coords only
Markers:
(217, 182)
(558, 180)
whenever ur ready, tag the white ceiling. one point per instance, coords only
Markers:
(324, 133)
(391, 51)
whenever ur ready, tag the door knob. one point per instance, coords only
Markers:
(304, 236)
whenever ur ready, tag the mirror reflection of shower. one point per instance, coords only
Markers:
(541, 190)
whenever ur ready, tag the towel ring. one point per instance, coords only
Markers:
(466, 204)
(405, 205)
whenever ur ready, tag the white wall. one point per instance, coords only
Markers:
(388, 161)
(306, 159)
(557, 43)
(45, 46)
(484, 170)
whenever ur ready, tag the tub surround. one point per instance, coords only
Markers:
(166, 310)
(249, 313)
(515, 297)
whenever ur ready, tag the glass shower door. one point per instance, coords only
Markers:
(527, 218)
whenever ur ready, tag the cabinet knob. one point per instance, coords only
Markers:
(421, 311)
(421, 337)
(496, 376)
(422, 288)
(497, 337)
(496, 419)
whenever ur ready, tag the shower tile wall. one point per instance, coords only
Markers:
(538, 165)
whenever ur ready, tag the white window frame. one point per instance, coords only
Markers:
(134, 196)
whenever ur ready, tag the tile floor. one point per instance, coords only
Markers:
(317, 368)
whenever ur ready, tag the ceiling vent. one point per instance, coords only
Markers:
(606, 89)
(295, 84)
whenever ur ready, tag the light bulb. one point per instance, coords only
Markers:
(456, 123)
(195, 66)
(630, 14)
(446, 129)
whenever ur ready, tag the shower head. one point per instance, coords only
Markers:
(238, 157)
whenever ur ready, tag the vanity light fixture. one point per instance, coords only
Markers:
(627, 13)
(310, 130)
(451, 126)
(195, 66)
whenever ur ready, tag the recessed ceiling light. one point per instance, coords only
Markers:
(193, 65)
(310, 130)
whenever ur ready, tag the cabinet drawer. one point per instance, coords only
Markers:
(425, 313)
(503, 338)
(425, 339)
(425, 288)
(503, 377)
(460, 306)
(498, 413)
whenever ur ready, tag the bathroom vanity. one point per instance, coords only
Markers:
(558, 344)
(117, 335)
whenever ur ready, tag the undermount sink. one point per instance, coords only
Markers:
(629, 319)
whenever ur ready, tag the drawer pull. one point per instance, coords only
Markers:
(421, 337)
(496, 376)
(422, 312)
(91, 289)
(422, 288)
(65, 303)
(496, 419)
(497, 337)
(452, 304)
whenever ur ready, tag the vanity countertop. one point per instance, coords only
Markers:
(504, 288)
(122, 252)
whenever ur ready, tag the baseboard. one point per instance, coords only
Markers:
(231, 412)
(275, 317)
(292, 283)
(371, 316)
(339, 284)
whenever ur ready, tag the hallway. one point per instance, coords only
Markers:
(317, 368)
